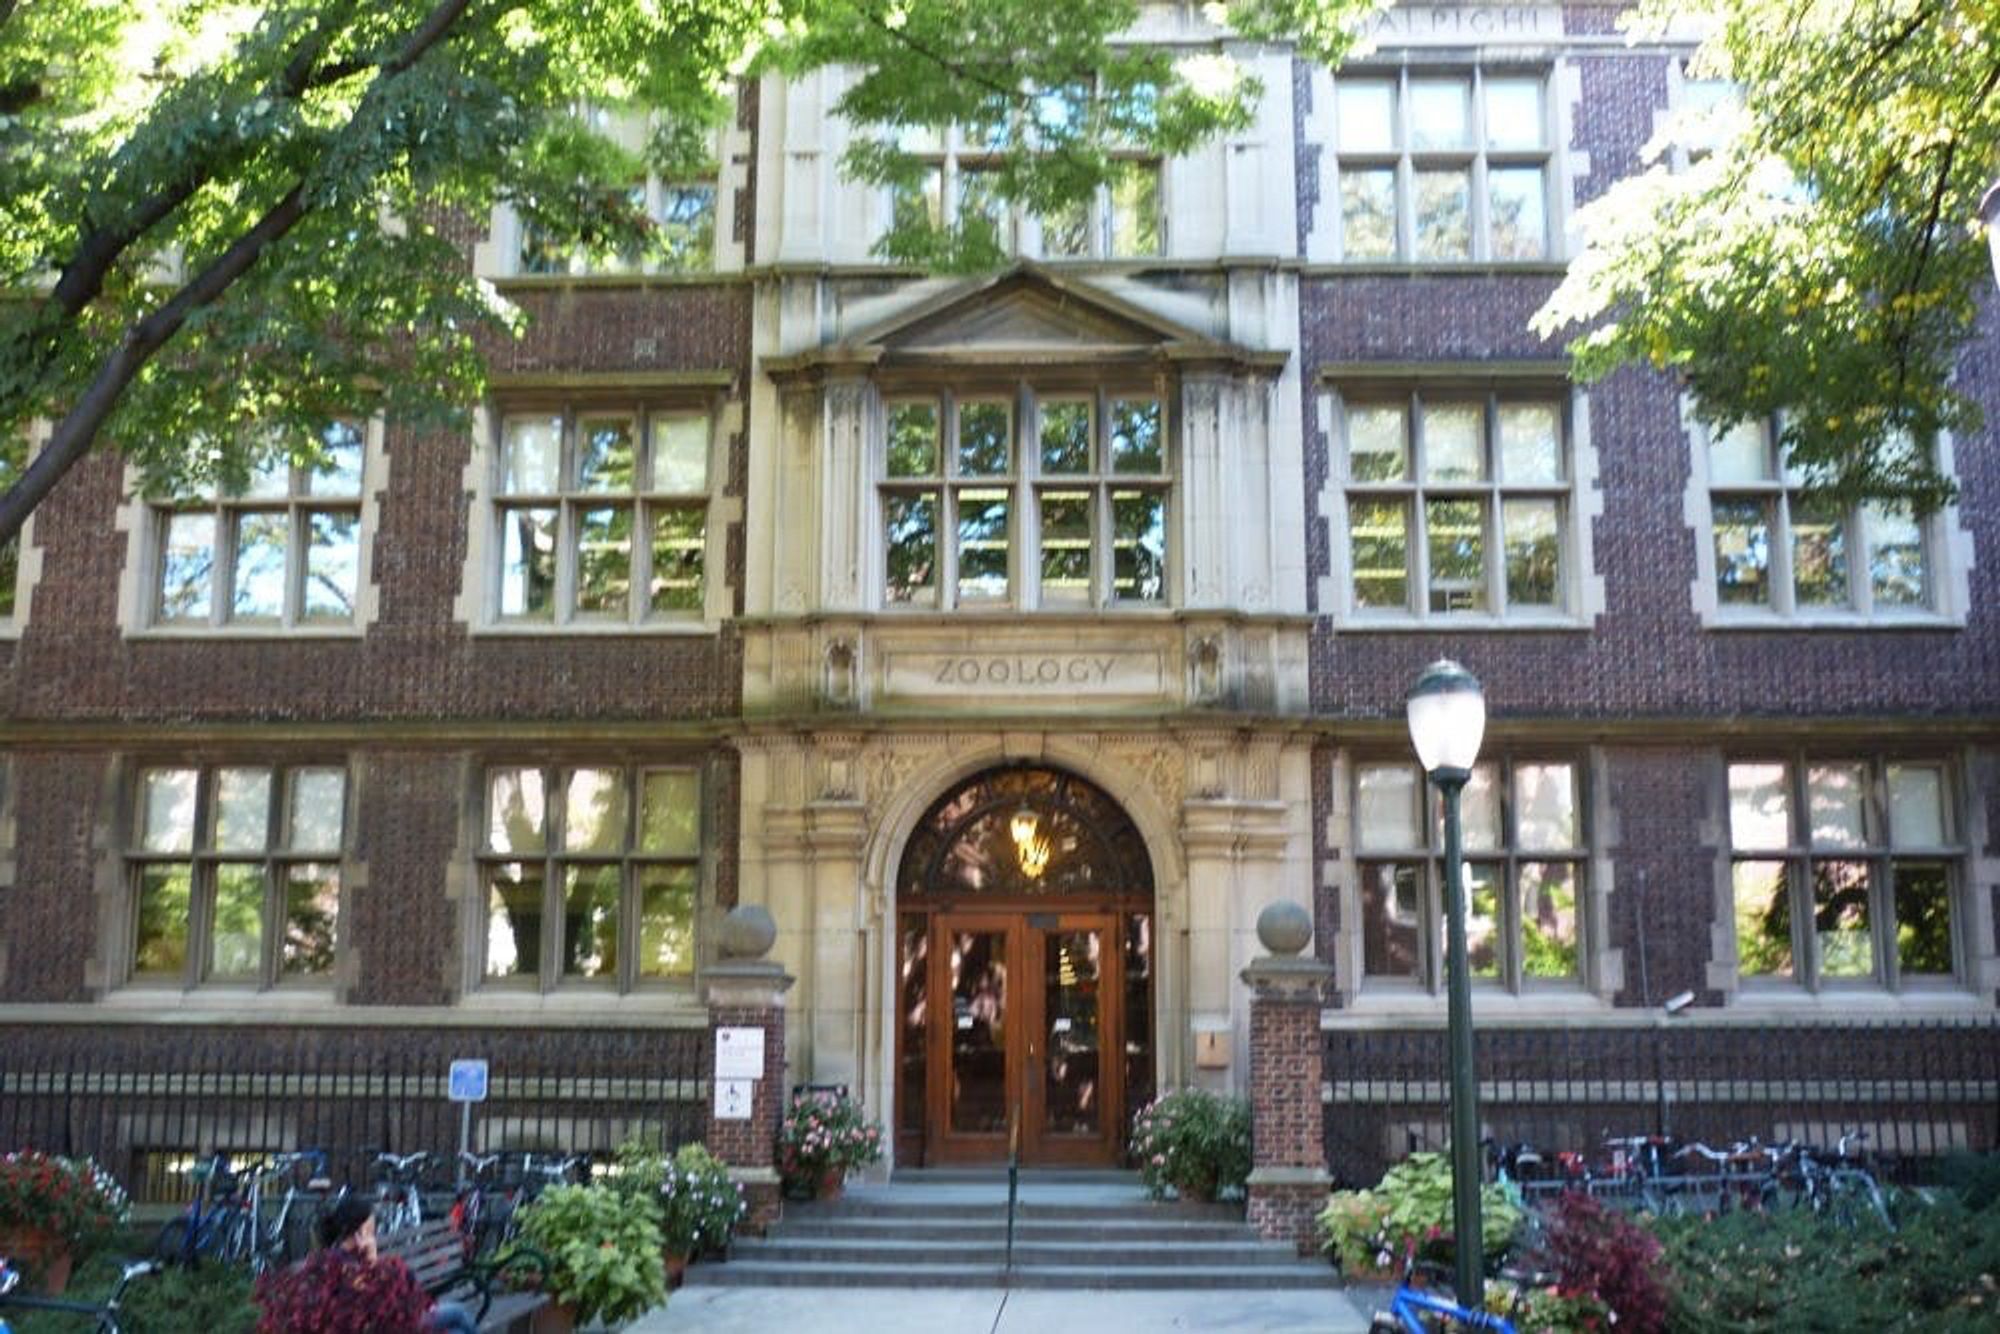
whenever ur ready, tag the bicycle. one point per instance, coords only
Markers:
(221, 1231)
(105, 1311)
(1419, 1310)
(399, 1199)
(483, 1217)
(286, 1237)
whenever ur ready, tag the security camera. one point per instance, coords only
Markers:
(1675, 1004)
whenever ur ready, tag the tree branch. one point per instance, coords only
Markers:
(74, 434)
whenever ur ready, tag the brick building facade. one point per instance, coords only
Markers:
(1017, 641)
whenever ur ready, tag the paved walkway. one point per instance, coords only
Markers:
(1001, 1311)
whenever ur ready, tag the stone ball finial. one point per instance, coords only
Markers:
(748, 932)
(1285, 928)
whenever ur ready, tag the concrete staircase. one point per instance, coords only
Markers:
(1072, 1229)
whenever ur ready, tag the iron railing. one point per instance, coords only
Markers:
(1920, 1090)
(146, 1101)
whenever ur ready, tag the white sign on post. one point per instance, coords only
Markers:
(732, 1099)
(739, 1053)
(468, 1081)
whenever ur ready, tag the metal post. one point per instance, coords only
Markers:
(1469, 1261)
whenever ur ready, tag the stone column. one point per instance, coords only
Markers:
(747, 990)
(1288, 1176)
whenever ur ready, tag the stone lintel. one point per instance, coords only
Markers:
(750, 985)
(1290, 1176)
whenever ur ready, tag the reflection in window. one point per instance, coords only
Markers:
(235, 874)
(591, 874)
(1525, 865)
(1059, 502)
(282, 551)
(1842, 870)
(1456, 506)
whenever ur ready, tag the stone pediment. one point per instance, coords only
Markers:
(1025, 316)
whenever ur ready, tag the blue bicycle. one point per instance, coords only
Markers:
(1423, 1310)
(223, 1230)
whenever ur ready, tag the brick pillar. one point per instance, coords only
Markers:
(747, 990)
(1288, 1177)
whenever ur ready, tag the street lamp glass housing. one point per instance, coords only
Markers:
(1447, 717)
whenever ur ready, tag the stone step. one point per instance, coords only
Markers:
(898, 1203)
(865, 1251)
(749, 1273)
(1169, 1231)
(1029, 1176)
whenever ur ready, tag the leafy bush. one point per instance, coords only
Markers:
(1976, 1178)
(334, 1292)
(1195, 1141)
(211, 1299)
(1549, 1310)
(1410, 1206)
(603, 1246)
(695, 1203)
(1764, 1273)
(1603, 1254)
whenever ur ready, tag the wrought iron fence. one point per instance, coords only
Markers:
(1919, 1090)
(147, 1101)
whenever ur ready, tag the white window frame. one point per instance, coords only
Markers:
(1583, 857)
(1477, 158)
(1579, 592)
(1946, 550)
(1879, 850)
(553, 858)
(1025, 485)
(629, 129)
(951, 155)
(203, 858)
(153, 524)
(570, 499)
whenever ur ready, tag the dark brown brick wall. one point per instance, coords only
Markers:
(49, 914)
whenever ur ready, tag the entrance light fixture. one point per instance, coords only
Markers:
(1447, 713)
(1031, 846)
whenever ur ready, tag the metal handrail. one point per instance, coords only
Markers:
(1013, 1193)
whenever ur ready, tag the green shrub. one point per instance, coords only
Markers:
(1758, 1273)
(1411, 1205)
(1195, 1141)
(212, 1299)
(603, 1247)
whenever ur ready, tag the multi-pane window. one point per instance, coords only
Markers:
(601, 515)
(1444, 165)
(1780, 550)
(235, 873)
(283, 552)
(1028, 498)
(1457, 504)
(960, 164)
(682, 213)
(1842, 870)
(1525, 860)
(680, 208)
(590, 874)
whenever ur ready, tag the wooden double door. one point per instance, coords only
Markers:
(1025, 1035)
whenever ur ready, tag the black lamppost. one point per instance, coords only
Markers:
(1447, 719)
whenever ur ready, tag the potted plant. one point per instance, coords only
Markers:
(824, 1134)
(603, 1246)
(330, 1292)
(53, 1211)
(1194, 1141)
(1411, 1206)
(695, 1203)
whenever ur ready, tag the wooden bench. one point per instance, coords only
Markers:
(435, 1253)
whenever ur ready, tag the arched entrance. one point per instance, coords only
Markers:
(1025, 967)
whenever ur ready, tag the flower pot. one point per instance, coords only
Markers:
(43, 1258)
(558, 1318)
(831, 1183)
(676, 1269)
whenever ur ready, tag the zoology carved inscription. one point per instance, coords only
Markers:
(1025, 672)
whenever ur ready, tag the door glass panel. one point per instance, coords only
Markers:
(1138, 1017)
(1071, 1002)
(914, 995)
(979, 1032)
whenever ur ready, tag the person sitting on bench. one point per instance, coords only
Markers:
(349, 1227)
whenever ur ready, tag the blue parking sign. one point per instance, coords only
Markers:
(468, 1081)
